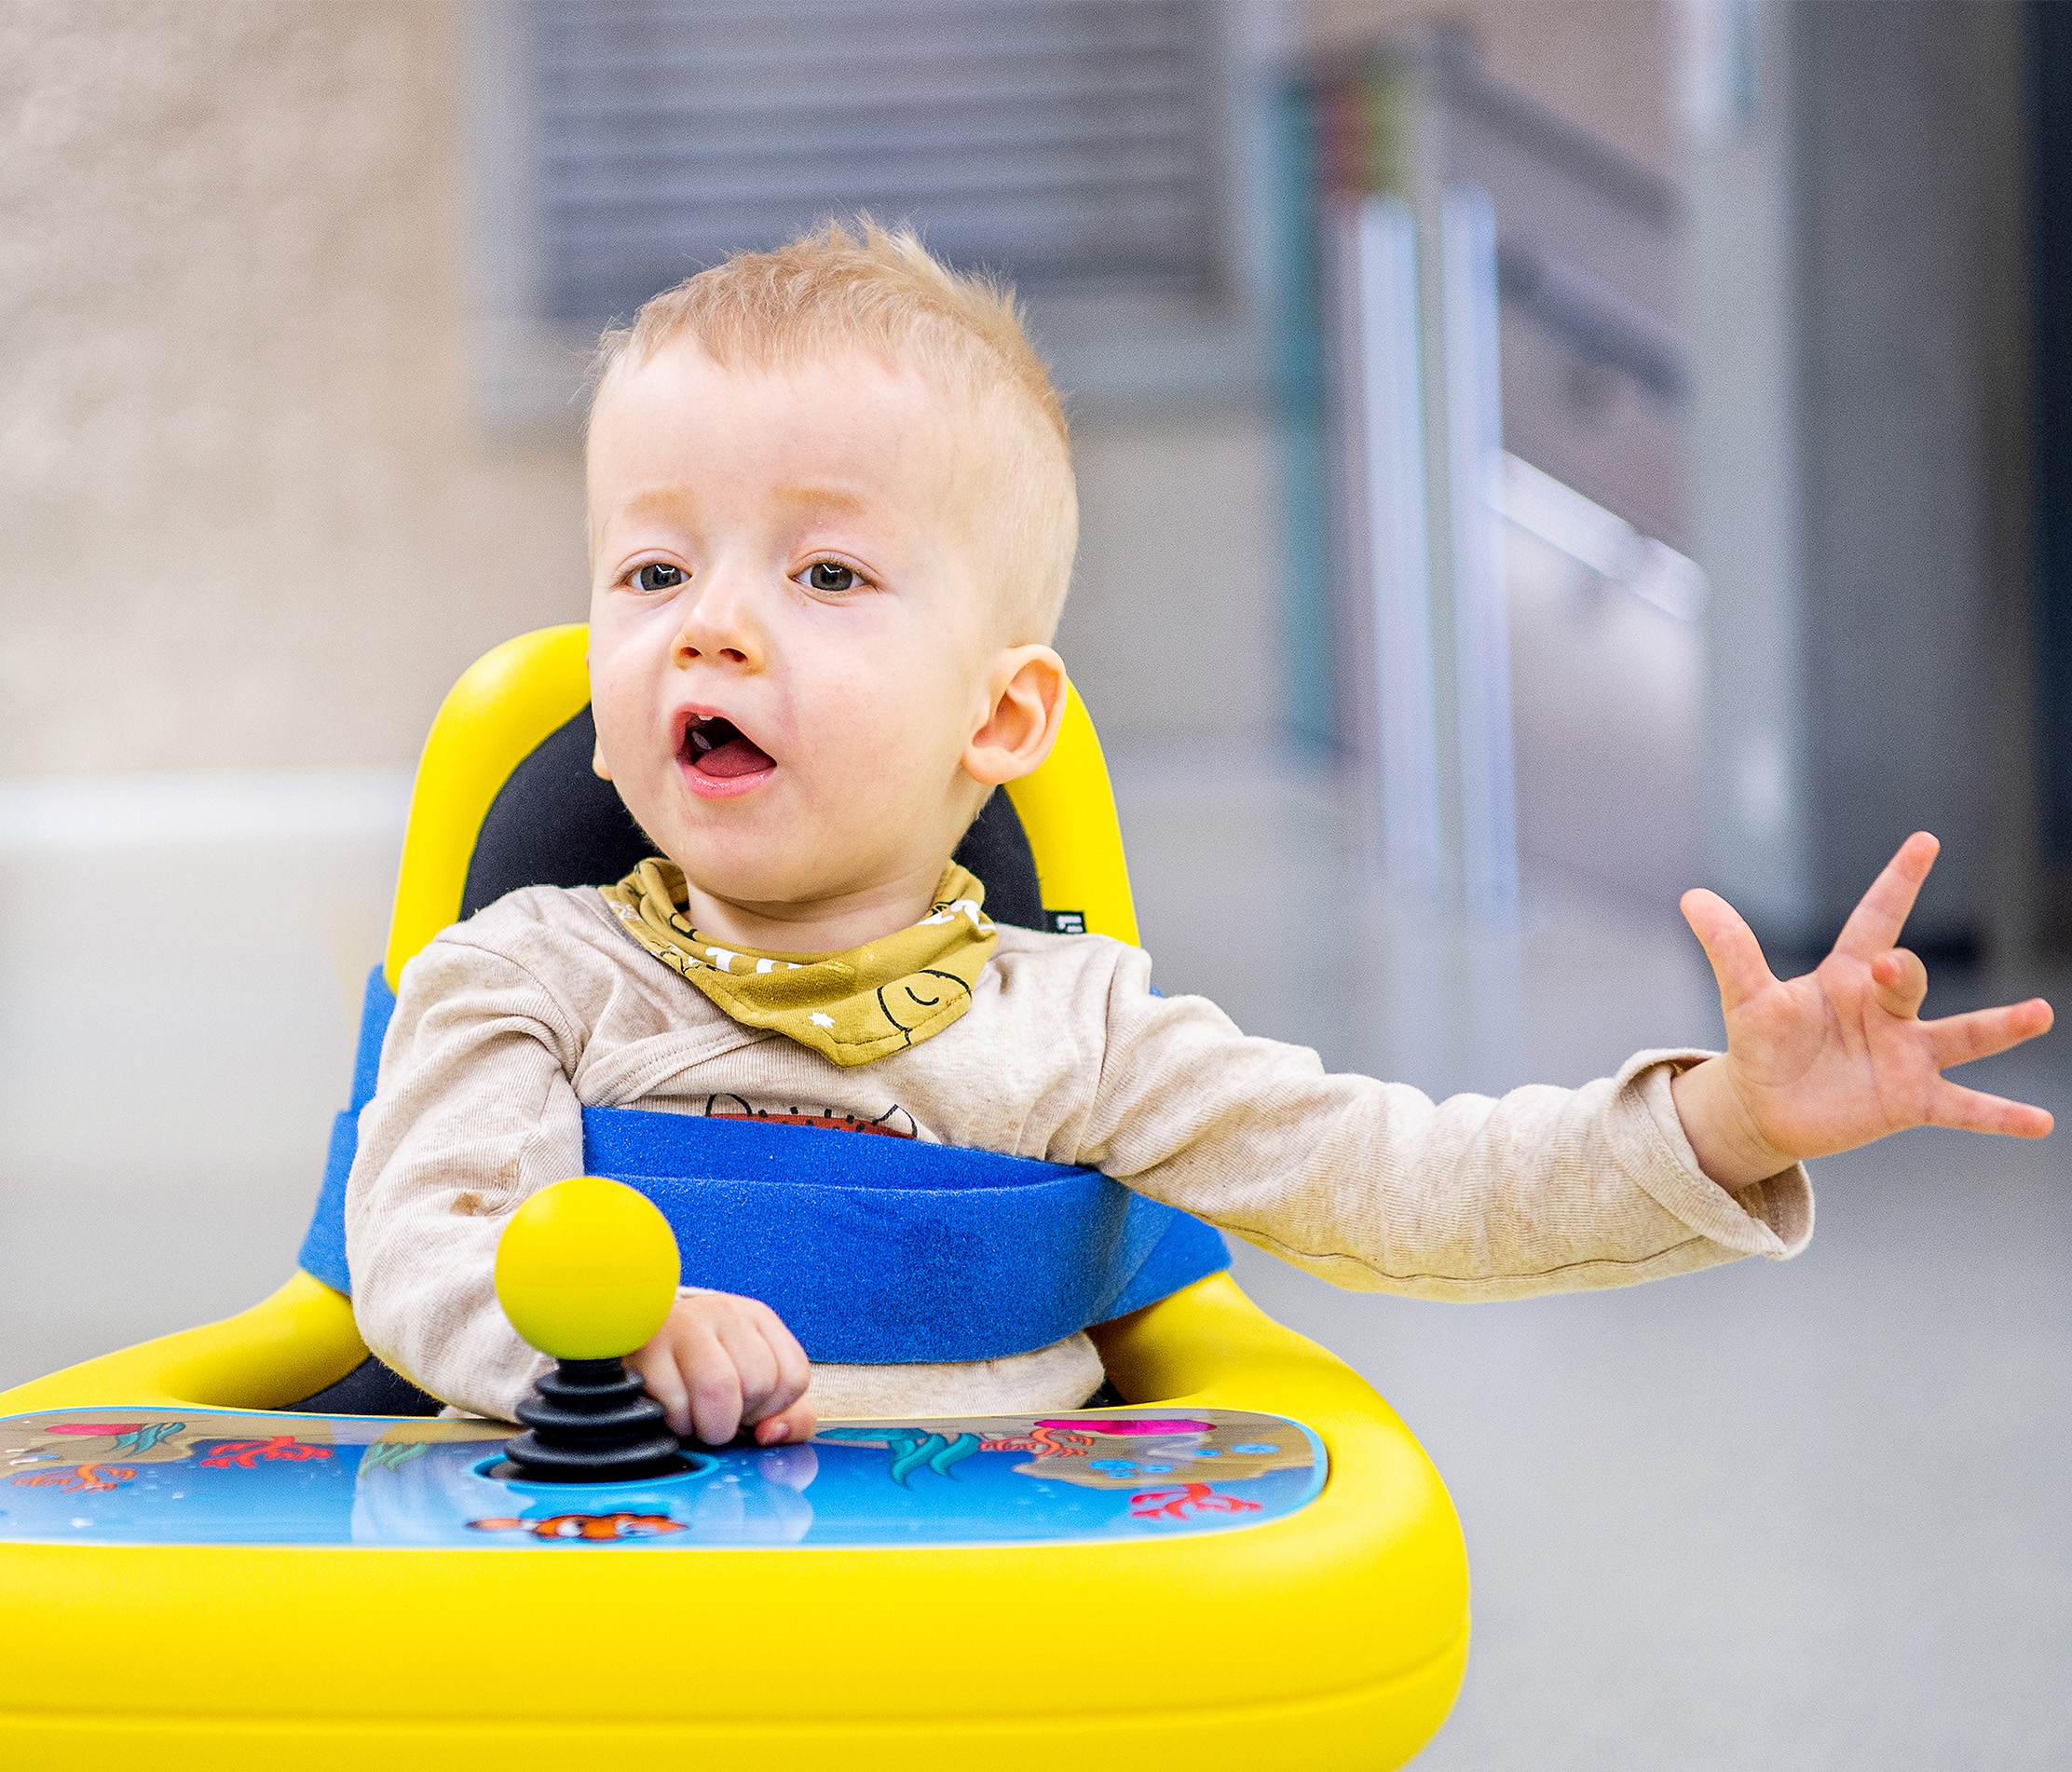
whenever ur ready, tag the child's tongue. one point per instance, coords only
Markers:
(737, 755)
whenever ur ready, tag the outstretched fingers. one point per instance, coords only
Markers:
(1965, 1110)
(1730, 946)
(1882, 912)
(1957, 1040)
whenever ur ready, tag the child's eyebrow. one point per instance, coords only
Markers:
(674, 501)
(833, 498)
(651, 500)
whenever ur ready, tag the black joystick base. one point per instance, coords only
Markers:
(592, 1423)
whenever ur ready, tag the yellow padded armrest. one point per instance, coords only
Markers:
(285, 1347)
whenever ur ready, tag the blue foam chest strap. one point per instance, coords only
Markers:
(874, 1249)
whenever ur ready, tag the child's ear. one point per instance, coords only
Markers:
(1025, 707)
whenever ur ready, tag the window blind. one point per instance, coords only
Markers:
(1067, 144)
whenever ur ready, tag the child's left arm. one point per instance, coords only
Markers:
(1840, 1056)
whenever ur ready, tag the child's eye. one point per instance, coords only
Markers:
(657, 575)
(831, 575)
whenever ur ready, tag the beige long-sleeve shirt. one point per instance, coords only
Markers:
(509, 1025)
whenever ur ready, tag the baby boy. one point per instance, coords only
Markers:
(831, 525)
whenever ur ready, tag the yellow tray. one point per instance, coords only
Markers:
(1335, 1637)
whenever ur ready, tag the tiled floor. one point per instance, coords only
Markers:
(1808, 1515)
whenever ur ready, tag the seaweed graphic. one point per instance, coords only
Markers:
(386, 1454)
(911, 1449)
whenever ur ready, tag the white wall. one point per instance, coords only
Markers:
(249, 516)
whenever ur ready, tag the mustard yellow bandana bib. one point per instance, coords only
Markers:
(851, 1007)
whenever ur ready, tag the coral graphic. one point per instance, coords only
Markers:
(82, 1478)
(245, 1453)
(1184, 1501)
(911, 1447)
(587, 1529)
(1046, 1439)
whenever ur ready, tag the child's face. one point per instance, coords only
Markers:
(792, 622)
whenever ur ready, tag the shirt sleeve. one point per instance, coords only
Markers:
(474, 1112)
(1376, 1187)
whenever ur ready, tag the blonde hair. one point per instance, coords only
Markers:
(879, 290)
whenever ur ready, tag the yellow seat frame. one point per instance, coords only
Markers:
(1335, 1637)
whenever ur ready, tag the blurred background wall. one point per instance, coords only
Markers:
(293, 424)
(251, 517)
(1858, 247)
(244, 429)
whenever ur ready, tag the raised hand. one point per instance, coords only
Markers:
(1840, 1056)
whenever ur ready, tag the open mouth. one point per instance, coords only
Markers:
(717, 747)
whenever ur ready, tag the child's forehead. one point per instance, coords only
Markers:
(836, 417)
(683, 374)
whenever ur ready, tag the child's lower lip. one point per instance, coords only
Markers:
(722, 787)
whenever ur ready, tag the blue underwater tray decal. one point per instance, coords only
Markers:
(228, 1476)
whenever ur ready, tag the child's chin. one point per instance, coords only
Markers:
(751, 888)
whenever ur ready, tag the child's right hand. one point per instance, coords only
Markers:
(719, 1360)
(1841, 1057)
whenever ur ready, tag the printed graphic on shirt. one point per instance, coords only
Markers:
(894, 1123)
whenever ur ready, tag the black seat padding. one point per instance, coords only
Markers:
(554, 823)
(371, 1388)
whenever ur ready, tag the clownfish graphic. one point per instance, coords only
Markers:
(585, 1529)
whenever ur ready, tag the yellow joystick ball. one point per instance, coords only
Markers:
(587, 1269)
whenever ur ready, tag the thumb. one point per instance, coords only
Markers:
(1730, 944)
(1901, 981)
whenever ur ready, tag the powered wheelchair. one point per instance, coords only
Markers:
(251, 1543)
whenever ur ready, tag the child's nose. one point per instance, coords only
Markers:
(719, 624)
